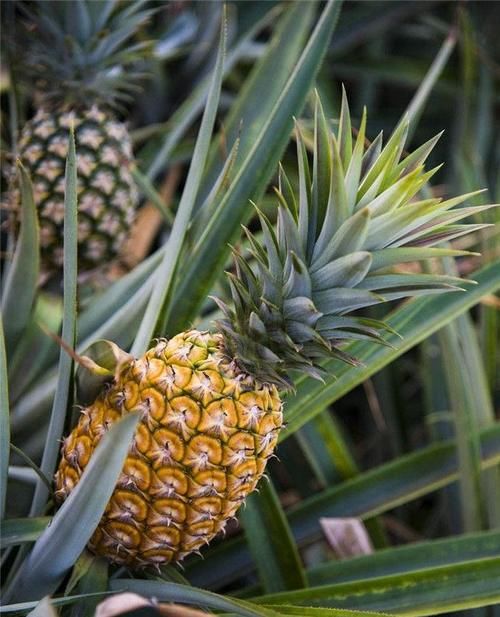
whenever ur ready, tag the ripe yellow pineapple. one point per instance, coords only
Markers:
(77, 67)
(209, 404)
(201, 446)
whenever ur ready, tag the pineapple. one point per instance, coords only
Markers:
(77, 66)
(210, 404)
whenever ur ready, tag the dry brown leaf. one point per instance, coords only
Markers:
(119, 604)
(347, 536)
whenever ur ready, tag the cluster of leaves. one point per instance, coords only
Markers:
(454, 573)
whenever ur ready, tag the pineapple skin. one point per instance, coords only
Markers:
(205, 433)
(107, 194)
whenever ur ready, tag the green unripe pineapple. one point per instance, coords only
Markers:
(107, 195)
(77, 66)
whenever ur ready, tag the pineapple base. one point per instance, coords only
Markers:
(204, 436)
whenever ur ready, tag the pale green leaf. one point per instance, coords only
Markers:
(413, 321)
(197, 276)
(408, 558)
(21, 530)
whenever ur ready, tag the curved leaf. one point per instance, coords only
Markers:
(22, 277)
(4, 423)
(173, 592)
(24, 607)
(409, 558)
(414, 321)
(431, 591)
(21, 530)
(64, 539)
(64, 379)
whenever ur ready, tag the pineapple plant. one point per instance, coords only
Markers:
(210, 403)
(82, 71)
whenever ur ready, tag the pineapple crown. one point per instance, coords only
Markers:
(75, 51)
(354, 216)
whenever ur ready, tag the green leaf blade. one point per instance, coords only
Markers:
(20, 287)
(63, 393)
(210, 251)
(427, 592)
(4, 423)
(271, 541)
(165, 274)
(72, 526)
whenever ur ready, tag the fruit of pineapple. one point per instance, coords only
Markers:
(79, 79)
(206, 434)
(209, 404)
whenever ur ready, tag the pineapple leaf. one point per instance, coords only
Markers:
(350, 237)
(36, 352)
(4, 423)
(99, 364)
(408, 558)
(22, 275)
(433, 590)
(345, 131)
(387, 160)
(196, 277)
(17, 531)
(304, 191)
(414, 321)
(337, 202)
(347, 271)
(44, 608)
(345, 299)
(58, 547)
(353, 172)
(148, 190)
(271, 541)
(173, 592)
(391, 256)
(165, 273)
(323, 183)
(24, 607)
(285, 188)
(418, 156)
(63, 394)
(269, 75)
(172, 131)
(383, 282)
